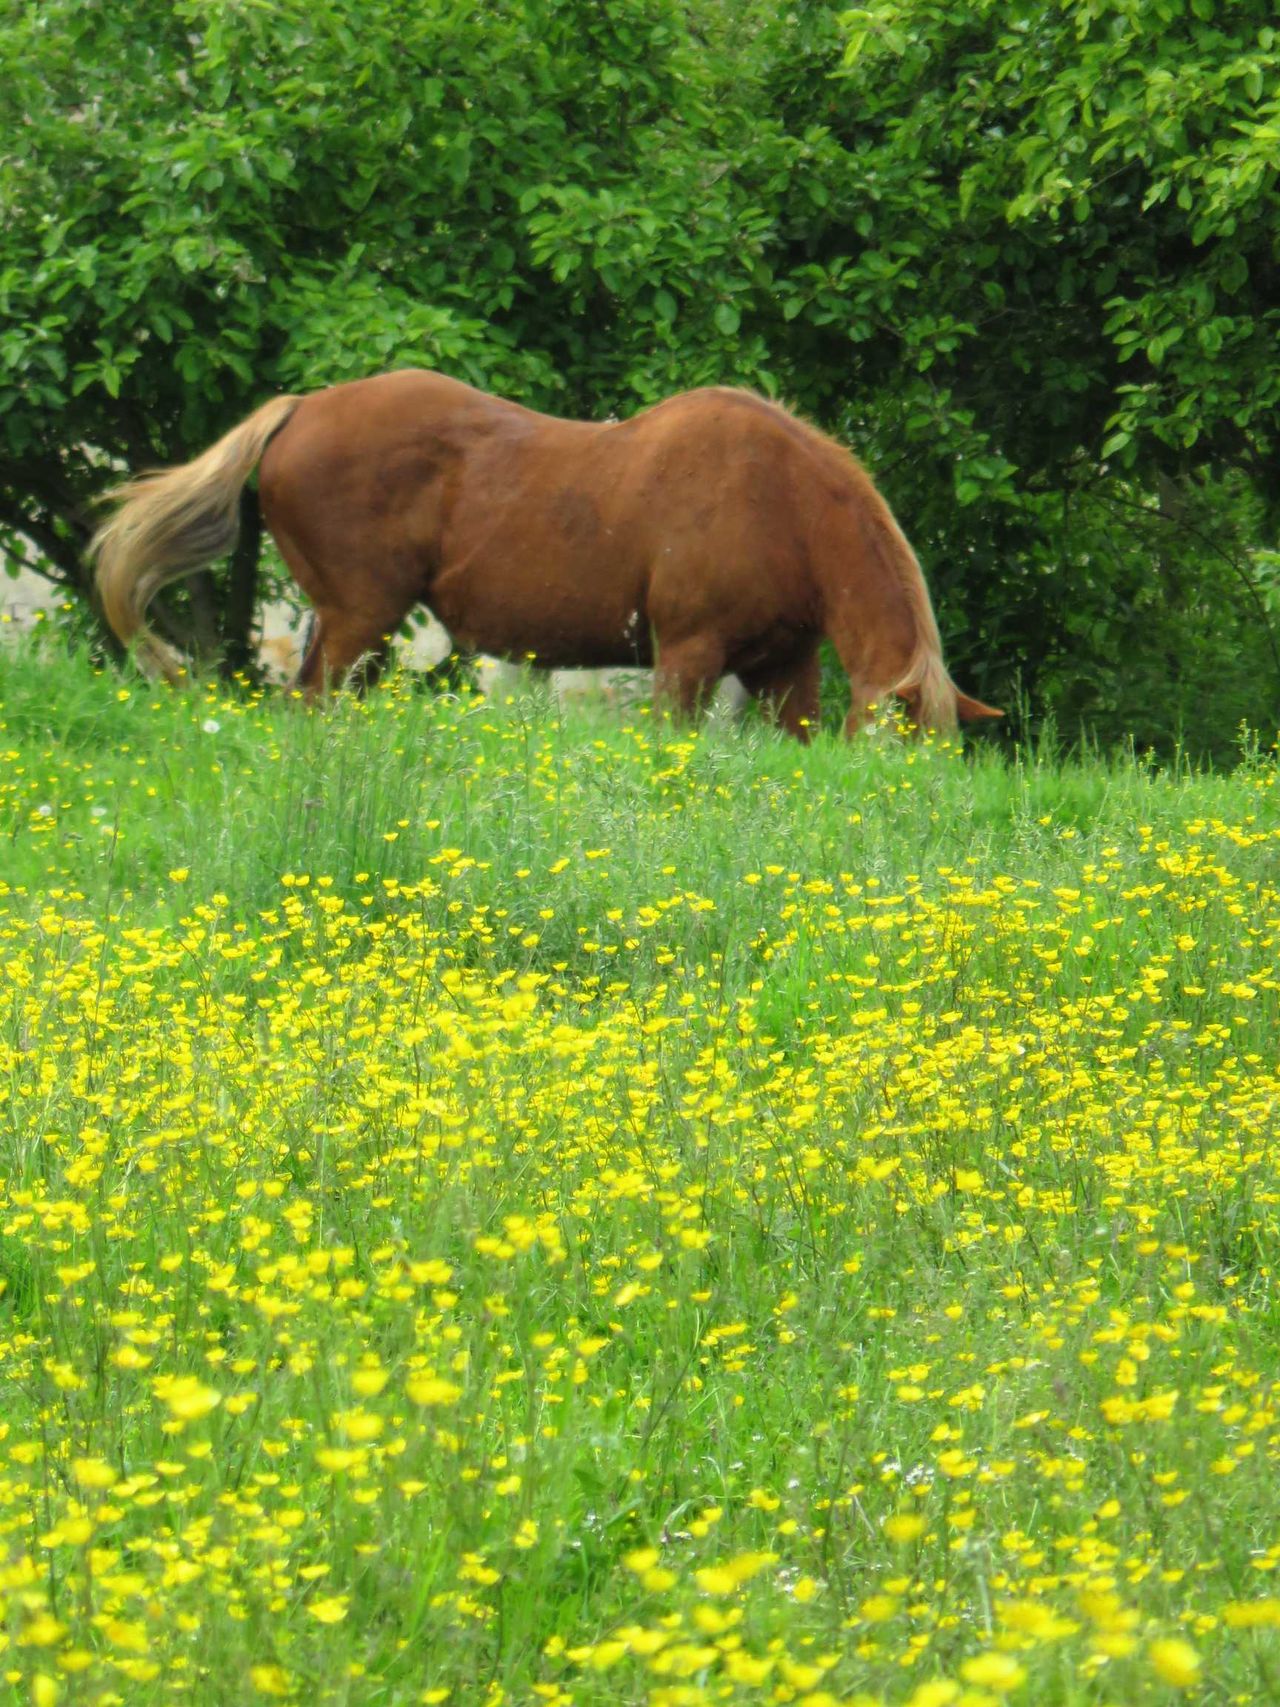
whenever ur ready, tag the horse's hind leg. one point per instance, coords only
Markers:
(686, 674)
(341, 639)
(307, 673)
(788, 692)
(352, 620)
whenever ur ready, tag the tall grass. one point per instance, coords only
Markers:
(501, 1205)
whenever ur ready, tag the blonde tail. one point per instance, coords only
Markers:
(170, 523)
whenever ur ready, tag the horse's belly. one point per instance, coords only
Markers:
(560, 623)
(554, 647)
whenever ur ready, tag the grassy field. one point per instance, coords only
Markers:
(507, 1208)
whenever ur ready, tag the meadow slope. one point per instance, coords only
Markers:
(507, 1208)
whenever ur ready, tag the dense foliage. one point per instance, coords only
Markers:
(1024, 259)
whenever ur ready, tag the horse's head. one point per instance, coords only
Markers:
(968, 709)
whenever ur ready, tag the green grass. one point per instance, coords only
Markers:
(563, 1208)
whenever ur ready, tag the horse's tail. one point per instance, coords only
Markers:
(170, 523)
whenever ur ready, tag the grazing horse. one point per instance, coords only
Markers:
(713, 534)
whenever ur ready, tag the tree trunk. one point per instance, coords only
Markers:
(241, 598)
(202, 597)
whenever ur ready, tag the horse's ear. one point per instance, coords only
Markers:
(972, 710)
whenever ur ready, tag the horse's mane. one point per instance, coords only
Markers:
(901, 560)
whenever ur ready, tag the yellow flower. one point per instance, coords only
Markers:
(336, 1459)
(1252, 1614)
(433, 1272)
(93, 1473)
(359, 1425)
(432, 1390)
(126, 1633)
(1175, 1661)
(939, 1692)
(1000, 1672)
(1034, 1618)
(605, 1654)
(724, 1579)
(187, 1398)
(905, 1526)
(746, 1668)
(329, 1611)
(44, 1631)
(269, 1679)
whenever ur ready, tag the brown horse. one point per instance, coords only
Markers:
(712, 534)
